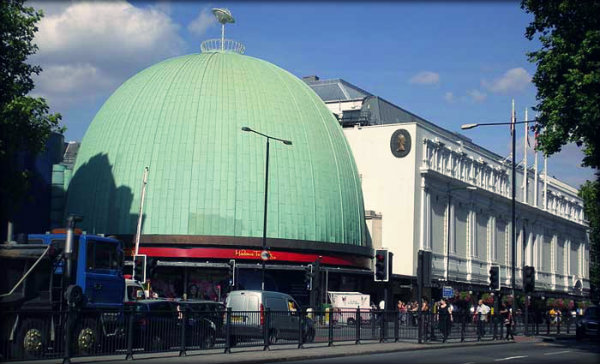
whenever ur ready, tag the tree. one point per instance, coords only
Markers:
(568, 74)
(25, 122)
(568, 91)
(590, 193)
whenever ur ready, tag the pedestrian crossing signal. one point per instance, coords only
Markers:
(382, 263)
(139, 268)
(495, 278)
(528, 278)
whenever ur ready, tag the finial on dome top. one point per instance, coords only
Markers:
(224, 45)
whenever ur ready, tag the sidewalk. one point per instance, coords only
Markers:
(277, 353)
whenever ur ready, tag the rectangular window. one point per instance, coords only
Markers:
(102, 255)
(501, 240)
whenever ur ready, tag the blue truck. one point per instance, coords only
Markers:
(48, 275)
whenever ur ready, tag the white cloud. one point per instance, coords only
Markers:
(513, 80)
(202, 22)
(89, 48)
(449, 96)
(425, 78)
(477, 95)
(68, 79)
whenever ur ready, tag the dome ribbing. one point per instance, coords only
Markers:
(182, 118)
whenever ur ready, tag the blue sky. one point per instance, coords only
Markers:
(451, 63)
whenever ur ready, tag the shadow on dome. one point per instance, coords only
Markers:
(93, 194)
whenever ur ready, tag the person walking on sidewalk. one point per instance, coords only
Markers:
(507, 316)
(481, 315)
(444, 319)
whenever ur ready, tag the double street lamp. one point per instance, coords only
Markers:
(513, 190)
(265, 254)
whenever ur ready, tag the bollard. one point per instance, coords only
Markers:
(68, 335)
(462, 328)
(330, 330)
(129, 355)
(358, 320)
(479, 326)
(372, 319)
(182, 351)
(228, 331)
(397, 327)
(266, 332)
(300, 333)
(382, 327)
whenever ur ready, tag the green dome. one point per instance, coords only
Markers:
(182, 118)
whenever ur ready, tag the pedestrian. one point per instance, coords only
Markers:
(426, 317)
(506, 314)
(481, 314)
(444, 319)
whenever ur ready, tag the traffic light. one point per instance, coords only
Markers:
(382, 263)
(308, 277)
(232, 276)
(528, 278)
(424, 268)
(139, 268)
(495, 278)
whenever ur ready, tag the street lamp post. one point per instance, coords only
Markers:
(264, 253)
(513, 190)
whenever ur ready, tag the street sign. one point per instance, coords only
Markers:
(448, 292)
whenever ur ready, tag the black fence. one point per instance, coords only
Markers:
(30, 335)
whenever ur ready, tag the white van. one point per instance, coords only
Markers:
(344, 305)
(248, 316)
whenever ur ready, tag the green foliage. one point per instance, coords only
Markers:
(25, 122)
(568, 74)
(590, 193)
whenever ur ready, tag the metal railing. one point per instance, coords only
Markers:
(28, 335)
(217, 45)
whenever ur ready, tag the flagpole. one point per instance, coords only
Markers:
(513, 236)
(545, 182)
(525, 166)
(535, 167)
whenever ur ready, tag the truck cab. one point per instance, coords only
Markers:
(35, 291)
(97, 267)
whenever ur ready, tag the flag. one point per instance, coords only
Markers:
(513, 118)
(536, 134)
(527, 137)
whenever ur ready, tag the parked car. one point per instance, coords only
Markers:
(248, 316)
(589, 324)
(157, 323)
(204, 319)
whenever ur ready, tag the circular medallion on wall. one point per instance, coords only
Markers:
(400, 143)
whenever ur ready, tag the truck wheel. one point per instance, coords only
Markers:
(32, 339)
(87, 338)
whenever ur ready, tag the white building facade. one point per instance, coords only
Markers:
(427, 188)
